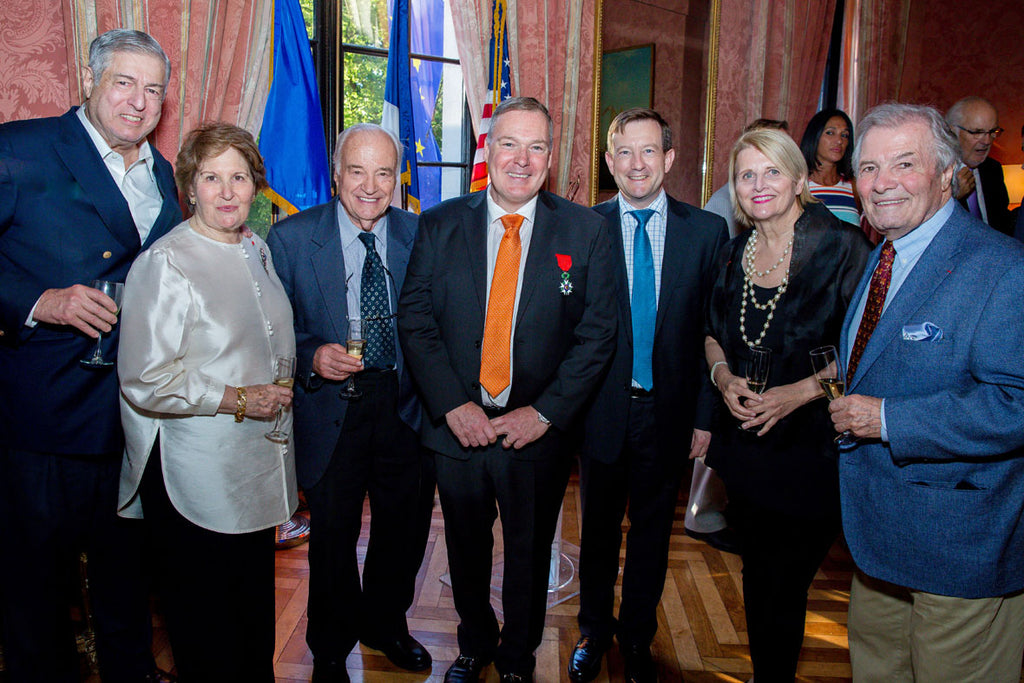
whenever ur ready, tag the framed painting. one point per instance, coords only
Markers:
(627, 81)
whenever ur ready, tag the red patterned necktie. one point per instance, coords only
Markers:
(495, 365)
(873, 308)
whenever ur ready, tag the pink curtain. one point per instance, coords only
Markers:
(472, 20)
(771, 62)
(552, 58)
(874, 52)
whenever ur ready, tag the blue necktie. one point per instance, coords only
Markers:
(643, 303)
(375, 310)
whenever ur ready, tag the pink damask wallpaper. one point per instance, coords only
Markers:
(954, 50)
(33, 60)
(677, 29)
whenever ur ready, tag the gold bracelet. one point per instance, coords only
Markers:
(240, 409)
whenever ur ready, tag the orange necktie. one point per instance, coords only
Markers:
(495, 367)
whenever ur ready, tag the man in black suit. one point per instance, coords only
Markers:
(507, 320)
(980, 186)
(655, 402)
(331, 259)
(80, 196)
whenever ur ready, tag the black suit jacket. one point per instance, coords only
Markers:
(997, 200)
(683, 395)
(63, 221)
(562, 342)
(309, 260)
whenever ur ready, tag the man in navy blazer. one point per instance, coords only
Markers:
(80, 196)
(348, 448)
(636, 438)
(933, 491)
(507, 319)
(980, 183)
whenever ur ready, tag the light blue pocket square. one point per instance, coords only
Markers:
(929, 332)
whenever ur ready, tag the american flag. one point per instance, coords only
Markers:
(498, 74)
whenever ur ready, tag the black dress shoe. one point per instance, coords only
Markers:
(465, 670)
(585, 662)
(158, 676)
(639, 664)
(726, 540)
(329, 672)
(405, 652)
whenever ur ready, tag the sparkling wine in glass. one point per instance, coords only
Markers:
(115, 290)
(829, 373)
(757, 373)
(284, 376)
(355, 344)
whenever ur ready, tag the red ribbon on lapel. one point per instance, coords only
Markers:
(564, 261)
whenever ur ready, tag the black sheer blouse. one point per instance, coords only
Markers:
(791, 468)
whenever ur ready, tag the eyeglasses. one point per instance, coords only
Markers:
(994, 133)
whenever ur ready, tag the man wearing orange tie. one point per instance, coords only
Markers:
(507, 319)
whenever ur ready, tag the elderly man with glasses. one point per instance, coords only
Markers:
(980, 187)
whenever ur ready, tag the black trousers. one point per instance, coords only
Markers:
(649, 481)
(217, 592)
(377, 455)
(781, 554)
(52, 508)
(528, 495)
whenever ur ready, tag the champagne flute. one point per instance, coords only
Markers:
(284, 376)
(115, 290)
(829, 373)
(355, 344)
(757, 373)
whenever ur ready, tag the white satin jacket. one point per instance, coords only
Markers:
(200, 315)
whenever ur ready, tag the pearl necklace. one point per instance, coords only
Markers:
(749, 252)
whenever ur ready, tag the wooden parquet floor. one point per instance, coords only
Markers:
(701, 635)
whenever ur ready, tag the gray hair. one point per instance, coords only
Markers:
(946, 147)
(955, 115)
(523, 104)
(366, 128)
(103, 47)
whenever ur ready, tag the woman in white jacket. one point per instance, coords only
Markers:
(204, 318)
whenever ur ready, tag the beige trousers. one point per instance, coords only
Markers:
(898, 634)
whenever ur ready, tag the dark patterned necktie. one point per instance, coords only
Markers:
(873, 308)
(375, 310)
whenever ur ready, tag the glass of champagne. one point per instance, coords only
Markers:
(757, 373)
(284, 376)
(115, 290)
(355, 344)
(830, 375)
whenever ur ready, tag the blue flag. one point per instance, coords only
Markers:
(292, 137)
(398, 112)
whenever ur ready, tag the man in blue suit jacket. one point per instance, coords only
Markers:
(933, 492)
(80, 196)
(636, 437)
(345, 449)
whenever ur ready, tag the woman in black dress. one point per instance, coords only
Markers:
(784, 284)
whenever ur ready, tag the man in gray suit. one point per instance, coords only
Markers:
(933, 491)
(331, 260)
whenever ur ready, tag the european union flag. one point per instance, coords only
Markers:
(292, 137)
